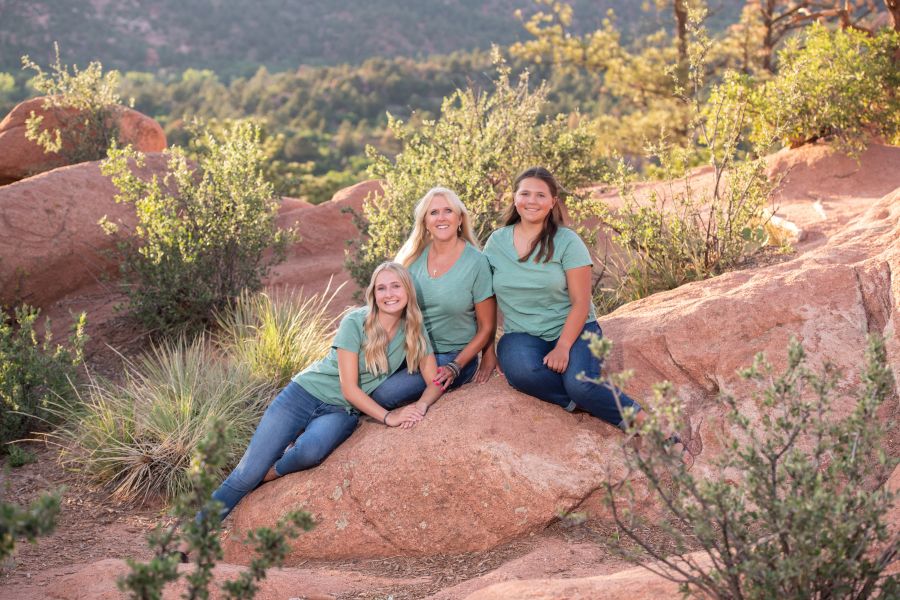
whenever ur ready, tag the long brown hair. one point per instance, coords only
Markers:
(544, 242)
(375, 347)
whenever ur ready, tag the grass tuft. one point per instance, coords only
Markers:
(277, 336)
(138, 436)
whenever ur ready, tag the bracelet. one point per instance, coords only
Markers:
(384, 419)
(454, 368)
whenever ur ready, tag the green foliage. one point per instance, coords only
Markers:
(675, 233)
(201, 235)
(33, 372)
(833, 84)
(137, 437)
(84, 106)
(806, 518)
(275, 337)
(17, 456)
(477, 146)
(200, 536)
(634, 77)
(29, 523)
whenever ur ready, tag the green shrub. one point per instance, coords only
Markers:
(33, 372)
(83, 103)
(202, 235)
(147, 580)
(17, 456)
(678, 233)
(137, 437)
(806, 516)
(30, 523)
(833, 84)
(276, 336)
(477, 146)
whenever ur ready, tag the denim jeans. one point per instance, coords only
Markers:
(295, 415)
(520, 356)
(402, 387)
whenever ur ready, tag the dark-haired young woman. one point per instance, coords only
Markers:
(542, 280)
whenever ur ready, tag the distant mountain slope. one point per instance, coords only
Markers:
(233, 37)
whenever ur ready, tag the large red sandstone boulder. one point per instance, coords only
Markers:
(50, 240)
(489, 464)
(21, 158)
(51, 244)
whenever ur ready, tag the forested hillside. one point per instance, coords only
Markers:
(235, 37)
(322, 77)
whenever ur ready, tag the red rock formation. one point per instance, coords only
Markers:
(489, 464)
(21, 158)
(51, 245)
(50, 241)
(631, 584)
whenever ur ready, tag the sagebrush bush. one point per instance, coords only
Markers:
(200, 535)
(203, 235)
(85, 105)
(34, 372)
(832, 84)
(794, 506)
(679, 232)
(137, 437)
(476, 147)
(276, 336)
(29, 523)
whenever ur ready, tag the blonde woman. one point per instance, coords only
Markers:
(454, 291)
(320, 407)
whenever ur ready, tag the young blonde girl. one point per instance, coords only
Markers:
(320, 407)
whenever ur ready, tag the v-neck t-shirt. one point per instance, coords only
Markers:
(322, 378)
(448, 301)
(534, 296)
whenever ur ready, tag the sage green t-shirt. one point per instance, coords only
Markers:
(448, 302)
(322, 378)
(534, 296)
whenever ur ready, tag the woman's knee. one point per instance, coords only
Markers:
(519, 357)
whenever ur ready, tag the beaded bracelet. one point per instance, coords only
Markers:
(454, 368)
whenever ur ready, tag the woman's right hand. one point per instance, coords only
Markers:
(487, 366)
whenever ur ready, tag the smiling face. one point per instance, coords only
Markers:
(533, 200)
(441, 220)
(390, 294)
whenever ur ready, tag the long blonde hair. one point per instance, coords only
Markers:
(375, 346)
(419, 237)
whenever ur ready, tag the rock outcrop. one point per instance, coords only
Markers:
(97, 581)
(636, 583)
(489, 464)
(21, 158)
(50, 241)
(51, 245)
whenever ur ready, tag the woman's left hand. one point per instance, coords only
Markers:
(557, 359)
(444, 378)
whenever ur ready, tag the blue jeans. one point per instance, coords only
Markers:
(520, 356)
(295, 415)
(402, 387)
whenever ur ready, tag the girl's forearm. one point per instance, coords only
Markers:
(363, 402)
(574, 325)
